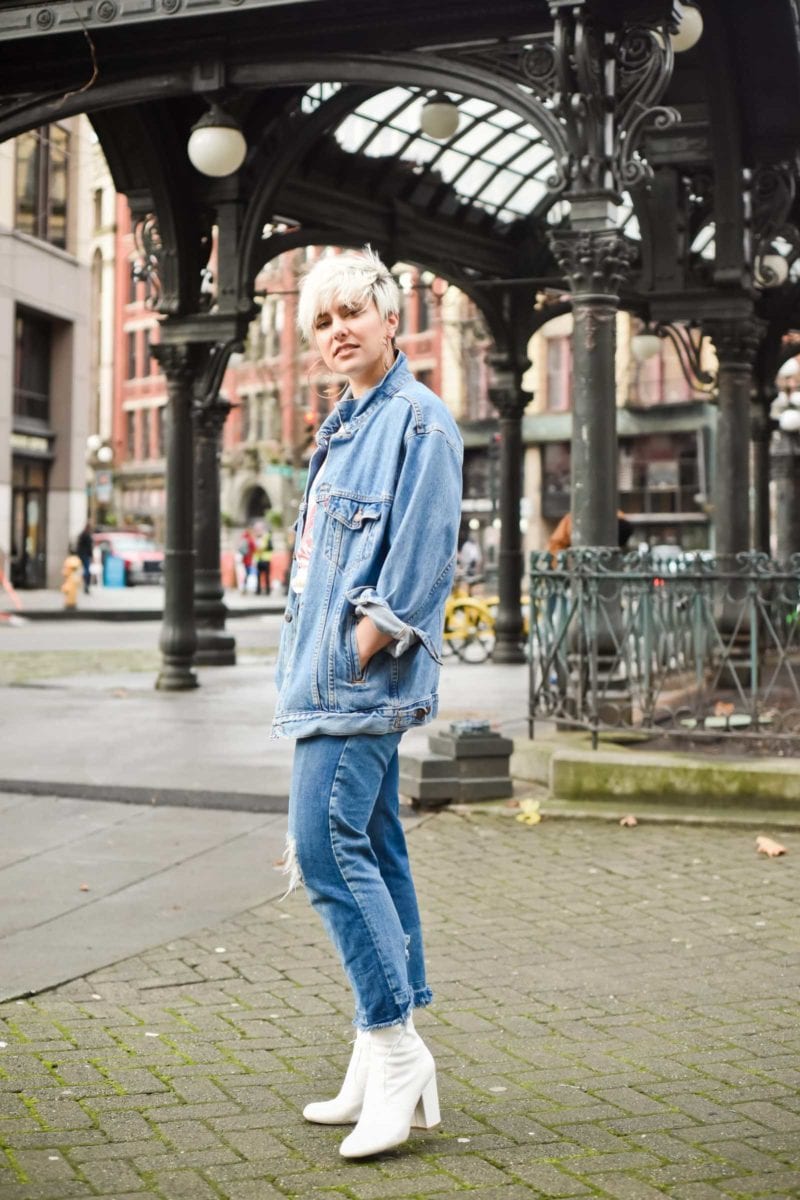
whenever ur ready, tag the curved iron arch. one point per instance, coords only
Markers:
(141, 154)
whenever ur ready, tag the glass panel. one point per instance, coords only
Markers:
(353, 132)
(526, 198)
(28, 191)
(531, 161)
(473, 140)
(32, 367)
(506, 148)
(474, 177)
(378, 107)
(58, 145)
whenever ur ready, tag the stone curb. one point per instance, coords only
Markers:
(572, 772)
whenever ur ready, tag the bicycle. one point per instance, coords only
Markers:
(468, 625)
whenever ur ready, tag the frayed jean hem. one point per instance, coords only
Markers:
(422, 998)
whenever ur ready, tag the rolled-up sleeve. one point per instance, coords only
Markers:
(422, 539)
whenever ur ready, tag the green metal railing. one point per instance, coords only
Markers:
(691, 646)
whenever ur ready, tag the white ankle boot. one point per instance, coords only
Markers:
(400, 1092)
(346, 1107)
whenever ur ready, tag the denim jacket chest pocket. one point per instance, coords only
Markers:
(351, 527)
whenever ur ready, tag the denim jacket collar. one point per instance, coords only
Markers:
(350, 413)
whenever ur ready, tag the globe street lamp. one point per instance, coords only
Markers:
(439, 117)
(688, 29)
(217, 146)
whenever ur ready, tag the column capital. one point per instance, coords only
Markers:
(210, 417)
(510, 404)
(180, 361)
(505, 392)
(596, 262)
(736, 340)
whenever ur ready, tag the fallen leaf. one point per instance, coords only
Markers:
(511, 804)
(765, 845)
(530, 814)
(723, 709)
(630, 819)
(84, 887)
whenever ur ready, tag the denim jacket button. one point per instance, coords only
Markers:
(421, 712)
(287, 616)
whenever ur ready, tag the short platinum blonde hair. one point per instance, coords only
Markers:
(353, 278)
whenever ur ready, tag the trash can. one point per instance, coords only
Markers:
(114, 571)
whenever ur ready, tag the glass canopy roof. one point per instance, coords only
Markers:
(495, 160)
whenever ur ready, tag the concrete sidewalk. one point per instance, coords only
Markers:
(142, 603)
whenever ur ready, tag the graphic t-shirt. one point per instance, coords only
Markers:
(306, 544)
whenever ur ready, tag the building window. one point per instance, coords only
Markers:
(559, 374)
(145, 433)
(130, 434)
(33, 336)
(555, 480)
(245, 416)
(132, 364)
(161, 431)
(423, 305)
(147, 365)
(42, 161)
(659, 380)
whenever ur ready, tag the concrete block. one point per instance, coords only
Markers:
(491, 745)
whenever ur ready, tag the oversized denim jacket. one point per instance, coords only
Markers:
(385, 537)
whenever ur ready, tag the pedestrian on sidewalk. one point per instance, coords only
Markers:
(246, 556)
(263, 559)
(358, 664)
(84, 548)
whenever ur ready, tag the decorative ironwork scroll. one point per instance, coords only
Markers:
(146, 268)
(773, 191)
(600, 88)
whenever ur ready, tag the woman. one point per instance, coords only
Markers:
(359, 662)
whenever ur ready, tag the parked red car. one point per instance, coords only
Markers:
(143, 558)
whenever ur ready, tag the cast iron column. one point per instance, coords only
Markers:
(595, 262)
(510, 401)
(736, 341)
(786, 473)
(215, 647)
(760, 434)
(181, 363)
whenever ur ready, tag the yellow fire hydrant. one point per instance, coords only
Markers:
(72, 571)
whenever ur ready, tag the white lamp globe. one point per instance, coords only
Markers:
(439, 117)
(690, 28)
(771, 270)
(216, 144)
(645, 345)
(93, 443)
(105, 454)
(789, 420)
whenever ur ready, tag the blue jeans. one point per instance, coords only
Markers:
(346, 839)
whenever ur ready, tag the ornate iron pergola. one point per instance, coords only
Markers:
(588, 157)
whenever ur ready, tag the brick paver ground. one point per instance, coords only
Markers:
(616, 1016)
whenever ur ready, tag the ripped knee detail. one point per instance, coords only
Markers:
(290, 866)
